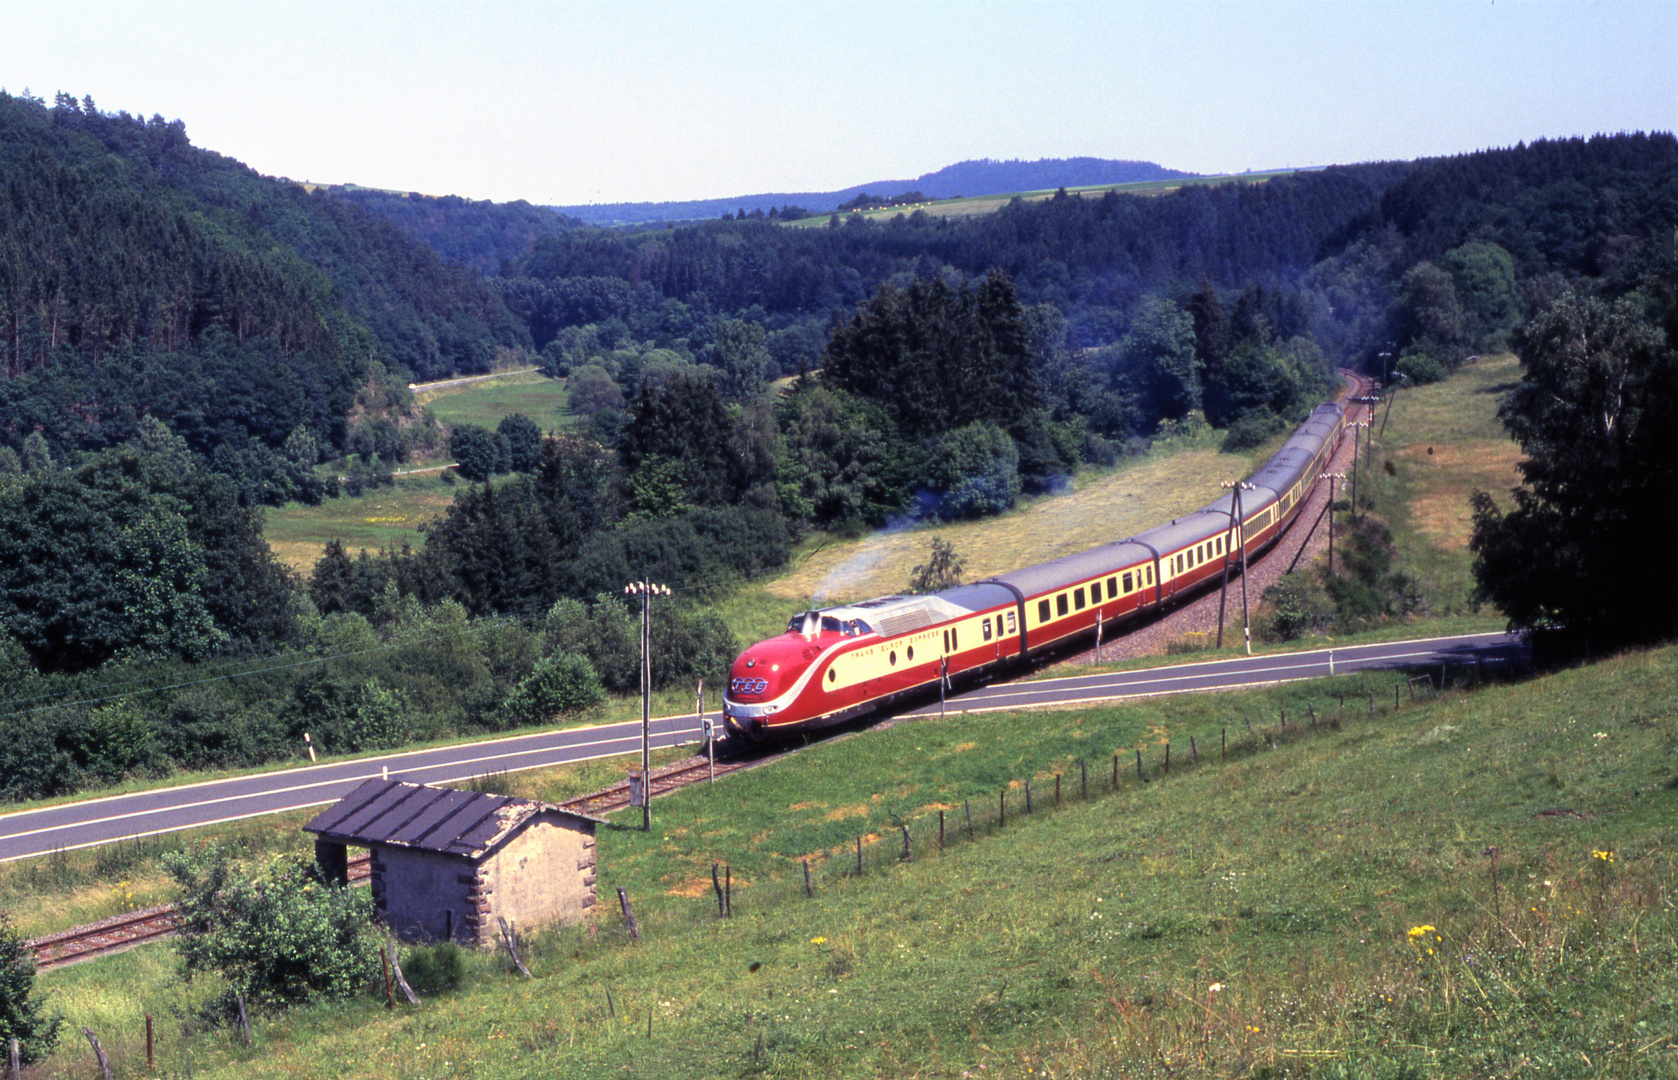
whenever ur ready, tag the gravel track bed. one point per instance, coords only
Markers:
(1200, 615)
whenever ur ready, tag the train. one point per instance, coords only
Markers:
(839, 663)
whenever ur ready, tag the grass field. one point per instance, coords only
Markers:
(485, 403)
(1320, 904)
(392, 516)
(975, 205)
(384, 517)
(1443, 442)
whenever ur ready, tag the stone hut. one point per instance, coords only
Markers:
(446, 864)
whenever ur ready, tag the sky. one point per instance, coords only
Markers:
(613, 102)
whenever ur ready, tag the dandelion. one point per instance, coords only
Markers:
(1604, 856)
(1419, 932)
(818, 941)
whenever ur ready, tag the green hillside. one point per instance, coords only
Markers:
(1472, 884)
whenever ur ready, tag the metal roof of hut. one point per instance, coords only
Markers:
(469, 824)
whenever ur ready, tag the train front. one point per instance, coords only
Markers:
(770, 684)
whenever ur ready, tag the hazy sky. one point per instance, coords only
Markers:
(561, 103)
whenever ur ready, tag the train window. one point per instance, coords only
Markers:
(1113, 587)
(1127, 582)
(830, 624)
(1179, 564)
(955, 640)
(946, 641)
(1149, 571)
(987, 630)
(893, 658)
(1200, 554)
(1010, 622)
(1078, 598)
(911, 651)
(832, 675)
(1042, 611)
(1060, 604)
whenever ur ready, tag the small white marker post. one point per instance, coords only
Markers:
(308, 744)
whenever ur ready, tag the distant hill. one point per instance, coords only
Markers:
(477, 233)
(982, 177)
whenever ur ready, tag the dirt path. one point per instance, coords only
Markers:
(420, 388)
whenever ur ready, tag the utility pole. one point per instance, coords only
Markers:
(646, 590)
(1238, 520)
(1355, 425)
(1331, 477)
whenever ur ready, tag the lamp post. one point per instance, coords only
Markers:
(1331, 477)
(646, 590)
(1237, 520)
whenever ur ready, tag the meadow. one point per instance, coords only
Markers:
(391, 516)
(1474, 883)
(976, 205)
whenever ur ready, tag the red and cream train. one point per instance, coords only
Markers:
(836, 663)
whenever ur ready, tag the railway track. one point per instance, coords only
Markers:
(666, 779)
(129, 929)
(133, 928)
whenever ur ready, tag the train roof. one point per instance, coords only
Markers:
(1046, 577)
(894, 615)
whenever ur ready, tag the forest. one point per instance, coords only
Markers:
(185, 342)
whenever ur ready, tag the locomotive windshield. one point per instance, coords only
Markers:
(814, 622)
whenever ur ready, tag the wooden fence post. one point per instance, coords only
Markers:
(150, 1063)
(244, 1018)
(967, 805)
(1028, 797)
(728, 890)
(1223, 744)
(628, 921)
(905, 829)
(808, 891)
(1083, 780)
(1139, 763)
(859, 856)
(716, 883)
(1168, 755)
(1057, 789)
(1194, 752)
(940, 830)
(17, 1061)
(510, 941)
(99, 1052)
(390, 996)
(1115, 770)
(1002, 808)
(395, 969)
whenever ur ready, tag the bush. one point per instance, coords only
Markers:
(434, 969)
(1299, 605)
(1252, 429)
(561, 684)
(977, 470)
(282, 937)
(21, 1015)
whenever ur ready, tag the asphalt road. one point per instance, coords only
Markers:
(91, 822)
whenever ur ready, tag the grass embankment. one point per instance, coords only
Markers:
(1443, 442)
(1224, 919)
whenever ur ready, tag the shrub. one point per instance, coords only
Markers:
(436, 968)
(281, 937)
(21, 1015)
(1299, 606)
(561, 684)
